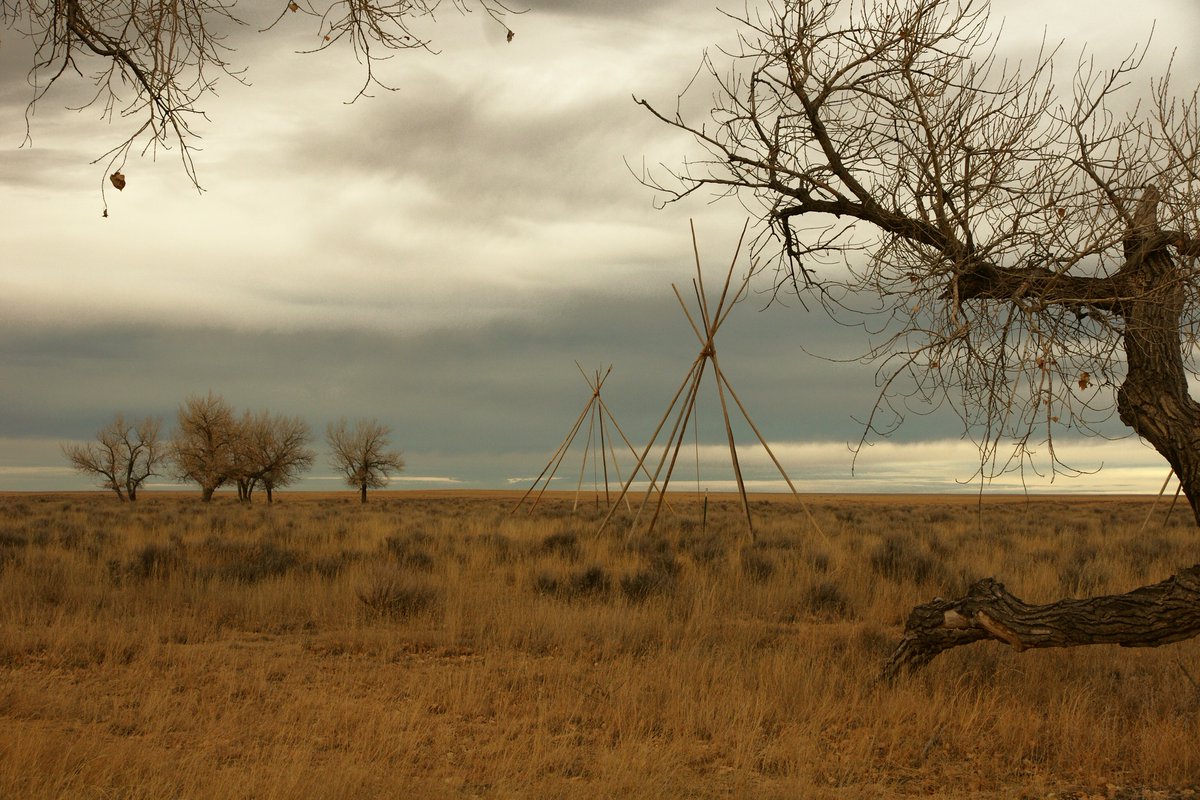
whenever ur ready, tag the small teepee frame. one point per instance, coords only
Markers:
(711, 320)
(594, 411)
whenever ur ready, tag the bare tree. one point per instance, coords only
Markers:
(243, 469)
(272, 451)
(123, 456)
(204, 447)
(1029, 255)
(155, 64)
(362, 454)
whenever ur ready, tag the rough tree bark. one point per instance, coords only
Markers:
(1148, 293)
(1150, 616)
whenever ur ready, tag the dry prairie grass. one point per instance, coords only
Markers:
(433, 646)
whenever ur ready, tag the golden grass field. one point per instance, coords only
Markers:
(431, 645)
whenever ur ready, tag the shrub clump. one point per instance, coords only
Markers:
(502, 547)
(399, 598)
(565, 544)
(899, 560)
(10, 543)
(330, 567)
(592, 582)
(246, 562)
(659, 578)
(757, 566)
(707, 547)
(410, 550)
(826, 599)
(156, 560)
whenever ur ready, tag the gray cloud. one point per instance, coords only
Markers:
(501, 386)
(437, 258)
(620, 10)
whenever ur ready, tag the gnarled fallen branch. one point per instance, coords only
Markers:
(1149, 616)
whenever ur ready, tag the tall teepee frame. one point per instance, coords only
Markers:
(598, 442)
(684, 401)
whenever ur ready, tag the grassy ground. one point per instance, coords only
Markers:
(434, 646)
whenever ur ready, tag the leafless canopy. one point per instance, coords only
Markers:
(363, 454)
(204, 447)
(1018, 251)
(272, 452)
(154, 64)
(122, 457)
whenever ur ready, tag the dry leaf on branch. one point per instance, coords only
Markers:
(293, 7)
(1085, 380)
(118, 180)
(511, 35)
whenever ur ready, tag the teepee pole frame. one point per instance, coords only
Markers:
(594, 411)
(710, 321)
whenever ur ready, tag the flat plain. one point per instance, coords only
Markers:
(435, 645)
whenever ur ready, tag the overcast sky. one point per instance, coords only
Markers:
(439, 257)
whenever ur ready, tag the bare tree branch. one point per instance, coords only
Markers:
(362, 454)
(122, 457)
(204, 447)
(1023, 256)
(273, 452)
(155, 65)
(980, 220)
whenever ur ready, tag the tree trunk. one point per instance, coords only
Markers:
(1153, 400)
(132, 492)
(269, 491)
(206, 493)
(363, 493)
(1150, 616)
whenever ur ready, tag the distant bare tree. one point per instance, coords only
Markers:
(155, 63)
(123, 456)
(242, 472)
(362, 454)
(273, 452)
(204, 446)
(1022, 254)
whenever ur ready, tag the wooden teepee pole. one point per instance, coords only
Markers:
(592, 408)
(762, 440)
(641, 461)
(737, 468)
(632, 449)
(711, 318)
(557, 457)
(587, 446)
(678, 433)
(1158, 497)
(604, 454)
(708, 352)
